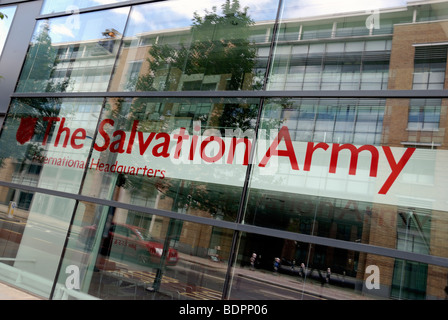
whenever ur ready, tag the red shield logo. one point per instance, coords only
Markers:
(25, 132)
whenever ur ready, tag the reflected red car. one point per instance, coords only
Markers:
(128, 241)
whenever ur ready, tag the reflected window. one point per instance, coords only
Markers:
(409, 280)
(429, 67)
(327, 120)
(67, 55)
(331, 66)
(424, 114)
(214, 52)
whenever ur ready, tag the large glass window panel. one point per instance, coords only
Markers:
(329, 118)
(70, 54)
(313, 31)
(69, 6)
(431, 12)
(274, 268)
(424, 114)
(352, 28)
(207, 45)
(184, 155)
(429, 67)
(344, 66)
(369, 62)
(374, 75)
(5, 24)
(343, 174)
(123, 254)
(33, 228)
(46, 142)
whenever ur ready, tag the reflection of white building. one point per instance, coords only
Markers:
(87, 66)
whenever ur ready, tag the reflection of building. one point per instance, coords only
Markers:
(337, 55)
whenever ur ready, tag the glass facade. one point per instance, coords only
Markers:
(228, 149)
(5, 24)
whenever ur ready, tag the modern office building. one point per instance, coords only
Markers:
(180, 149)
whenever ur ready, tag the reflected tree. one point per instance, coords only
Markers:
(40, 64)
(2, 16)
(219, 45)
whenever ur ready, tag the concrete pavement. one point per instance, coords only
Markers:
(10, 293)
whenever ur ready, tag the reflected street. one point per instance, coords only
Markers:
(196, 278)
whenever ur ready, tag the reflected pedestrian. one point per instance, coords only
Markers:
(302, 270)
(253, 258)
(276, 265)
(328, 275)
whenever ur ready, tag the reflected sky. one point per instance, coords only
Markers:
(52, 6)
(175, 14)
(5, 24)
(146, 18)
(260, 9)
(84, 27)
(312, 8)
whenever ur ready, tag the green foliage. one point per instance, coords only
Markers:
(219, 45)
(40, 64)
(2, 16)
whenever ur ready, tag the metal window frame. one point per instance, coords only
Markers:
(385, 94)
(341, 244)
(238, 227)
(96, 8)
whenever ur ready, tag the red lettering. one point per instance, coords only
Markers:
(143, 144)
(309, 153)
(62, 130)
(93, 164)
(222, 148)
(354, 158)
(395, 167)
(104, 135)
(233, 144)
(118, 145)
(179, 138)
(164, 146)
(194, 142)
(75, 136)
(132, 137)
(289, 152)
(48, 129)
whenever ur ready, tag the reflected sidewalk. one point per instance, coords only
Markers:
(330, 292)
(10, 293)
(309, 287)
(327, 291)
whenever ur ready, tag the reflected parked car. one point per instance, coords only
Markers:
(131, 242)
